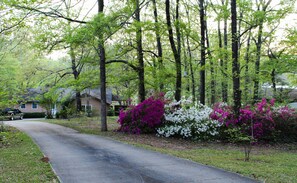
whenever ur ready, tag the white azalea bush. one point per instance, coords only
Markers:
(189, 121)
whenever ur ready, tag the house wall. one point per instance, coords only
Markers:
(94, 102)
(29, 108)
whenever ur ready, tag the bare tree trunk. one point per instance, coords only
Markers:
(75, 73)
(257, 62)
(190, 62)
(159, 44)
(202, 52)
(273, 58)
(186, 69)
(235, 63)
(175, 50)
(141, 87)
(259, 48)
(273, 81)
(102, 73)
(221, 62)
(225, 63)
(212, 72)
(247, 58)
(191, 70)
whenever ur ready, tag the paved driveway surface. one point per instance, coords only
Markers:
(77, 157)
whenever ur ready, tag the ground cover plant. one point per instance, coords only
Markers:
(20, 159)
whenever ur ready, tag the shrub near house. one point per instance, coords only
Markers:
(142, 118)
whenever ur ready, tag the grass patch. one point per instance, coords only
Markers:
(269, 163)
(20, 159)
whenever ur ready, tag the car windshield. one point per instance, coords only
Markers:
(7, 109)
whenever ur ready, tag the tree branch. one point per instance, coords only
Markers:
(53, 14)
(124, 62)
(16, 24)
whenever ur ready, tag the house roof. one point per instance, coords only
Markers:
(32, 94)
(96, 93)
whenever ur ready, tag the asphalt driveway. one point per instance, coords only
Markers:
(77, 157)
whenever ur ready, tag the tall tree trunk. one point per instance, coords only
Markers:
(212, 71)
(102, 72)
(239, 31)
(225, 62)
(191, 70)
(159, 44)
(186, 69)
(190, 60)
(221, 60)
(202, 52)
(75, 73)
(247, 59)
(273, 58)
(175, 50)
(141, 87)
(235, 63)
(259, 48)
(273, 73)
(257, 62)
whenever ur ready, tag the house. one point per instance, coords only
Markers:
(91, 100)
(30, 104)
(31, 107)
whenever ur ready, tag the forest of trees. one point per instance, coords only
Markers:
(211, 50)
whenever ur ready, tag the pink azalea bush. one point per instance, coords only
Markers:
(257, 122)
(285, 124)
(144, 117)
(263, 122)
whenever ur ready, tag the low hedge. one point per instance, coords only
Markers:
(34, 115)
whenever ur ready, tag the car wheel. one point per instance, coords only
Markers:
(11, 118)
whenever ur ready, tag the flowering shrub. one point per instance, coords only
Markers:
(143, 118)
(285, 124)
(257, 122)
(284, 113)
(189, 122)
(264, 125)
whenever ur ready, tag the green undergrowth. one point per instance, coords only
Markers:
(20, 159)
(271, 164)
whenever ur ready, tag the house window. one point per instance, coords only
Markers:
(86, 108)
(23, 106)
(34, 105)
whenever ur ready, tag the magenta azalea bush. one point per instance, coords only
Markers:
(262, 122)
(144, 117)
(285, 124)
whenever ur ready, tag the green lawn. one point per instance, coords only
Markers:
(20, 159)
